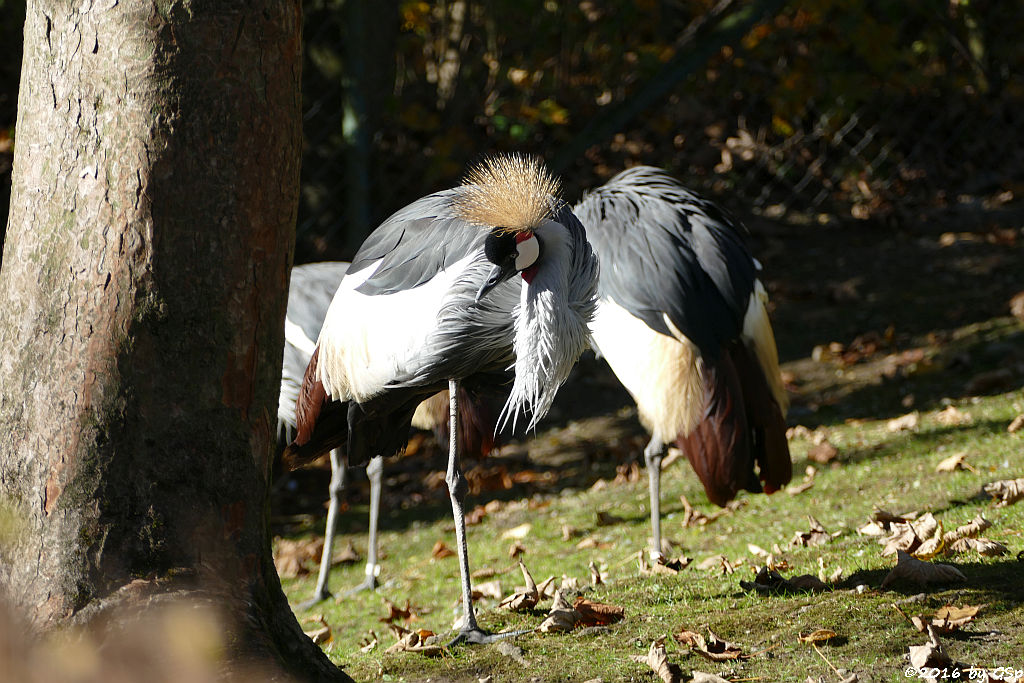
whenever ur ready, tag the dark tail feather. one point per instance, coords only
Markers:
(718, 448)
(477, 420)
(767, 425)
(477, 424)
(321, 424)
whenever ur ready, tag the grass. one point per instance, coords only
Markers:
(875, 468)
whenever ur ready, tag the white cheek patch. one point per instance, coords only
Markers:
(527, 252)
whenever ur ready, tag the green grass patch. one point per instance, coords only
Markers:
(875, 468)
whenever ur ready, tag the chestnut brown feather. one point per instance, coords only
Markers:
(314, 409)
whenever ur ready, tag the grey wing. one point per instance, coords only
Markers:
(310, 291)
(414, 244)
(666, 252)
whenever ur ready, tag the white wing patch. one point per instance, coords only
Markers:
(367, 340)
(663, 374)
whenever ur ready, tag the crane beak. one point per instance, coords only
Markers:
(498, 274)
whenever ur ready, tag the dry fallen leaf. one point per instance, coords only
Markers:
(517, 533)
(694, 517)
(982, 546)
(516, 549)
(918, 571)
(912, 536)
(668, 567)
(797, 489)
(822, 453)
(757, 551)
(929, 655)
(1007, 491)
(595, 575)
(816, 536)
(955, 462)
(1016, 424)
(368, 642)
(1017, 305)
(320, 635)
(441, 551)
(608, 519)
(950, 416)
(949, 618)
(821, 635)
(657, 659)
(908, 422)
(525, 599)
(487, 589)
(395, 612)
(413, 641)
(713, 562)
(569, 583)
(562, 617)
(770, 581)
(597, 613)
(627, 473)
(969, 530)
(712, 647)
(476, 515)
(587, 543)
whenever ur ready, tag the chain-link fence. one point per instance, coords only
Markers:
(823, 111)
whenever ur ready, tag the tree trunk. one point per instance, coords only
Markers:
(142, 302)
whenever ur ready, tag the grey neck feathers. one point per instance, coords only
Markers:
(551, 320)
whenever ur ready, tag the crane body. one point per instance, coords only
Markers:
(488, 282)
(311, 290)
(682, 323)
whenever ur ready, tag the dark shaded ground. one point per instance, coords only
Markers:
(870, 320)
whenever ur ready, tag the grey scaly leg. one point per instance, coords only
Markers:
(470, 632)
(375, 473)
(339, 478)
(653, 455)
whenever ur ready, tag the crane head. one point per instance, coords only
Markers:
(511, 253)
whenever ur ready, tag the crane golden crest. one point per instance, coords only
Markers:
(512, 192)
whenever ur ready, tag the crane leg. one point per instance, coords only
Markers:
(654, 453)
(470, 631)
(375, 473)
(339, 478)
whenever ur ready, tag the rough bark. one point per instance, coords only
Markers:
(141, 313)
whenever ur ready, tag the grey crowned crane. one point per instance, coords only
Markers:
(310, 292)
(455, 289)
(682, 323)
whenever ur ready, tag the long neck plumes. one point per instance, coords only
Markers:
(551, 321)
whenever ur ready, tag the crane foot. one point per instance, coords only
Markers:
(478, 636)
(368, 584)
(317, 598)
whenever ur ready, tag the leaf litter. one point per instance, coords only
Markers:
(912, 569)
(657, 659)
(1006, 492)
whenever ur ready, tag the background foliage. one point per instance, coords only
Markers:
(819, 111)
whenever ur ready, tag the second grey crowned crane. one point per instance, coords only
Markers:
(310, 291)
(456, 288)
(682, 323)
